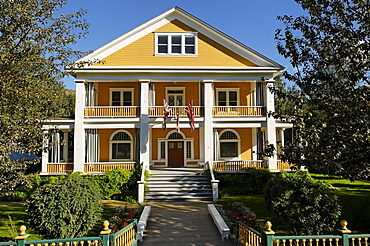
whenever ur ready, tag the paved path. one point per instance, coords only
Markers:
(181, 223)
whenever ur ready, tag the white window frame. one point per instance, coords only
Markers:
(238, 157)
(183, 35)
(227, 96)
(121, 90)
(121, 141)
(176, 88)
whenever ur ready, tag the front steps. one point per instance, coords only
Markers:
(175, 184)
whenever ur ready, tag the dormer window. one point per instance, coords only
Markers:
(176, 44)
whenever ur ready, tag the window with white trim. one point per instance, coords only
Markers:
(121, 96)
(175, 96)
(227, 97)
(176, 44)
(121, 146)
(229, 145)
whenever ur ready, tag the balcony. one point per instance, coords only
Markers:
(111, 111)
(157, 111)
(234, 111)
(101, 167)
(238, 166)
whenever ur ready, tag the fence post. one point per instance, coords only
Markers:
(105, 233)
(344, 231)
(215, 189)
(269, 234)
(21, 238)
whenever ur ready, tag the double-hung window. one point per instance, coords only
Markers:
(121, 96)
(227, 97)
(176, 44)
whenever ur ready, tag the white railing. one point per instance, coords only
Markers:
(238, 111)
(238, 166)
(157, 111)
(111, 111)
(101, 167)
(214, 182)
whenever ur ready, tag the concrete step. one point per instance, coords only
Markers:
(178, 185)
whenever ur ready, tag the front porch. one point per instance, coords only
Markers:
(102, 167)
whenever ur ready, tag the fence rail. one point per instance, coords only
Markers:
(157, 111)
(283, 165)
(126, 236)
(239, 111)
(112, 111)
(248, 236)
(109, 166)
(237, 166)
(60, 168)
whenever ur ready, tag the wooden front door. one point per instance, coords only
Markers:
(175, 154)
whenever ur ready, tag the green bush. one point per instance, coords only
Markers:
(306, 206)
(112, 182)
(238, 211)
(67, 208)
(32, 182)
(251, 182)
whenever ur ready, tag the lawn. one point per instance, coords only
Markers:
(354, 198)
(17, 214)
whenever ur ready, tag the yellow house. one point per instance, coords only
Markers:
(175, 58)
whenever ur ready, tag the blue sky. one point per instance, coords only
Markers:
(251, 22)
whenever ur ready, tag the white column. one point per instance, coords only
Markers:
(144, 123)
(79, 131)
(45, 154)
(65, 146)
(270, 122)
(254, 144)
(208, 124)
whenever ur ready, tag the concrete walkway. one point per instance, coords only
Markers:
(181, 223)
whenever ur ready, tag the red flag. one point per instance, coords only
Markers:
(189, 111)
(178, 123)
(166, 112)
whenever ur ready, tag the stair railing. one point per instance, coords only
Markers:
(214, 182)
(141, 183)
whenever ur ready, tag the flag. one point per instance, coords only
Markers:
(166, 112)
(190, 113)
(178, 123)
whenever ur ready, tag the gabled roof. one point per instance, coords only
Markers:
(191, 21)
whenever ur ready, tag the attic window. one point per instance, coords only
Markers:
(176, 44)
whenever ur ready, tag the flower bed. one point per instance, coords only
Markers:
(123, 217)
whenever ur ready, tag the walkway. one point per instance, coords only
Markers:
(181, 223)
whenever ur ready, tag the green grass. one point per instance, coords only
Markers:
(354, 198)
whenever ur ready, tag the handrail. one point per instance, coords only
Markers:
(111, 111)
(214, 182)
(126, 236)
(141, 183)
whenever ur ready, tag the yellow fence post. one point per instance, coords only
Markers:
(269, 234)
(105, 233)
(21, 238)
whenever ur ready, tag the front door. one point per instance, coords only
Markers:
(176, 153)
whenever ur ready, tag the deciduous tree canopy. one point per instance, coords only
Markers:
(34, 49)
(329, 49)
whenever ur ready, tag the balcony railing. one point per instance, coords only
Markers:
(60, 168)
(239, 111)
(283, 165)
(107, 166)
(110, 111)
(237, 166)
(157, 111)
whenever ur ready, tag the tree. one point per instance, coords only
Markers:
(306, 206)
(68, 208)
(34, 49)
(329, 49)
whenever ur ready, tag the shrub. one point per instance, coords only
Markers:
(251, 182)
(32, 182)
(67, 208)
(305, 206)
(112, 182)
(123, 217)
(238, 211)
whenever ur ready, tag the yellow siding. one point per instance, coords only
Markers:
(141, 52)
